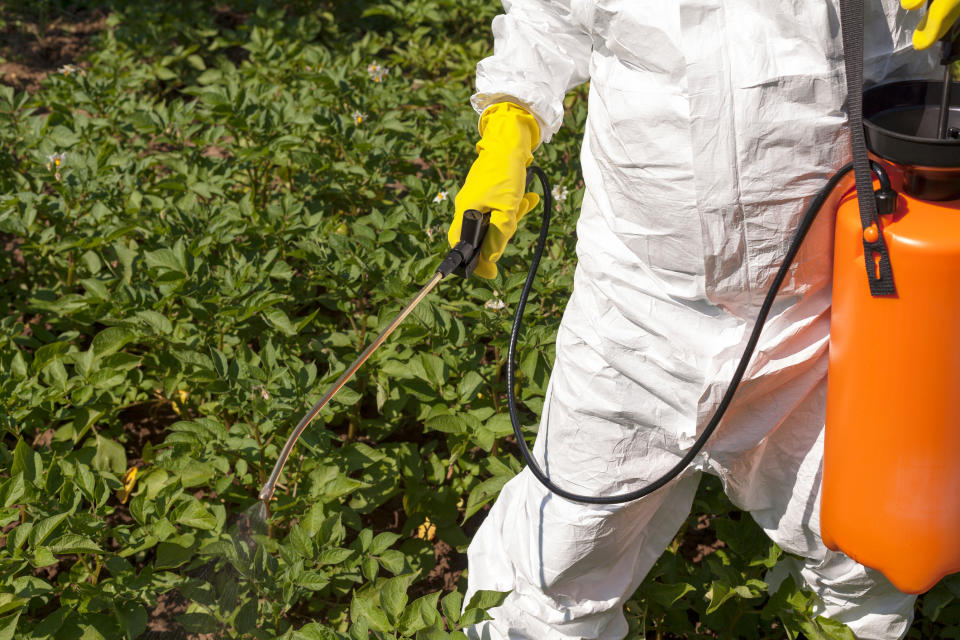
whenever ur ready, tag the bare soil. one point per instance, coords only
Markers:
(144, 424)
(701, 541)
(34, 45)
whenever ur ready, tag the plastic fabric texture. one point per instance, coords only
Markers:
(711, 125)
(497, 180)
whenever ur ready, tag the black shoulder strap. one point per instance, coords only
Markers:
(876, 258)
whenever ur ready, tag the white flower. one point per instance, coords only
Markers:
(358, 117)
(560, 193)
(67, 69)
(495, 303)
(377, 72)
(54, 160)
(440, 197)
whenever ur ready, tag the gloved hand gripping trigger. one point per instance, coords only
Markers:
(463, 258)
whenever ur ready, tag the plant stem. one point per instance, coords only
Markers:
(70, 270)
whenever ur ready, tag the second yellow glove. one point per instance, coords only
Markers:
(940, 16)
(497, 180)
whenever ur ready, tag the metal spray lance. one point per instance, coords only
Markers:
(461, 260)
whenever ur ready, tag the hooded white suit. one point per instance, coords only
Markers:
(711, 125)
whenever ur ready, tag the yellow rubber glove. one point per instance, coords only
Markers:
(497, 180)
(934, 25)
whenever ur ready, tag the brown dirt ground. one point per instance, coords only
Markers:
(31, 47)
(162, 620)
(701, 541)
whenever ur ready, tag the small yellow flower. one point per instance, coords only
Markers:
(427, 531)
(129, 482)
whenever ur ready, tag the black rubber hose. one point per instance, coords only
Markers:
(798, 235)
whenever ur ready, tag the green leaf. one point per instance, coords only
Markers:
(935, 600)
(469, 385)
(195, 475)
(479, 604)
(110, 456)
(43, 557)
(316, 631)
(12, 490)
(313, 580)
(195, 515)
(484, 493)
(198, 622)
(27, 462)
(172, 554)
(393, 561)
(246, 620)
(420, 614)
(301, 542)
(210, 76)
(280, 320)
(42, 530)
(132, 618)
(447, 424)
(364, 539)
(370, 568)
(9, 602)
(362, 609)
(196, 62)
(826, 629)
(666, 595)
(383, 541)
(393, 596)
(111, 340)
(18, 365)
(334, 556)
(452, 604)
(156, 321)
(73, 543)
(8, 625)
(312, 522)
(720, 592)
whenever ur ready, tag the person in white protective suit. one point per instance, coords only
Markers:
(712, 124)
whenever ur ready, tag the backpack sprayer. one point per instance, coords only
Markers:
(890, 480)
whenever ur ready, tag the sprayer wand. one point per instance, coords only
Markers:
(461, 260)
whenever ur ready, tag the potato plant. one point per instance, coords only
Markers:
(203, 223)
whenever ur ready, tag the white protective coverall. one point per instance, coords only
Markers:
(712, 123)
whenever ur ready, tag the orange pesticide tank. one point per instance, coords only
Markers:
(891, 469)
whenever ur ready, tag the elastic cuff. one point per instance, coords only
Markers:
(510, 104)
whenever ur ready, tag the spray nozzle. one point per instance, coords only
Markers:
(463, 258)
